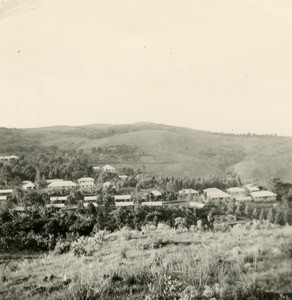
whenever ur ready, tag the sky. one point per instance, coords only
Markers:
(223, 66)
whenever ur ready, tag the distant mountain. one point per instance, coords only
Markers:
(168, 150)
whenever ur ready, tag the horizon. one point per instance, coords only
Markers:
(153, 123)
(217, 67)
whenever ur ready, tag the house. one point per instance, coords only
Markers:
(186, 193)
(251, 188)
(86, 182)
(236, 192)
(6, 192)
(244, 199)
(61, 184)
(214, 194)
(48, 181)
(90, 199)
(58, 202)
(152, 203)
(197, 204)
(27, 185)
(3, 200)
(12, 157)
(109, 169)
(108, 184)
(123, 200)
(263, 196)
(123, 177)
(156, 194)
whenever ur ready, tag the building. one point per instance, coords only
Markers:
(197, 204)
(58, 202)
(6, 192)
(236, 192)
(96, 168)
(7, 158)
(90, 199)
(123, 177)
(48, 181)
(86, 182)
(152, 203)
(109, 169)
(156, 194)
(214, 194)
(27, 185)
(123, 200)
(251, 188)
(3, 200)
(244, 199)
(186, 193)
(62, 184)
(263, 196)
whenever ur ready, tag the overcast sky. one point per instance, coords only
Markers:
(205, 64)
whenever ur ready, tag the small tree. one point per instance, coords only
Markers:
(270, 216)
(255, 213)
(238, 210)
(262, 215)
(247, 211)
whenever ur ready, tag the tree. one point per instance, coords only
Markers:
(262, 215)
(270, 216)
(247, 211)
(238, 210)
(255, 213)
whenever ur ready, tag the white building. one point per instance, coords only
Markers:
(156, 193)
(251, 188)
(6, 192)
(48, 181)
(184, 193)
(152, 203)
(86, 182)
(108, 168)
(196, 204)
(27, 185)
(263, 196)
(123, 177)
(12, 157)
(62, 184)
(58, 201)
(90, 199)
(236, 192)
(214, 194)
(124, 200)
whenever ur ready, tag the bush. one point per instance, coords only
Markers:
(61, 248)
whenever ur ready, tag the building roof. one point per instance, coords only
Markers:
(216, 193)
(236, 189)
(152, 203)
(108, 167)
(156, 193)
(123, 197)
(3, 198)
(197, 204)
(56, 198)
(90, 198)
(123, 176)
(53, 180)
(9, 191)
(85, 179)
(262, 194)
(252, 187)
(187, 191)
(25, 182)
(28, 185)
(61, 183)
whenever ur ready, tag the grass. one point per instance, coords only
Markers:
(239, 264)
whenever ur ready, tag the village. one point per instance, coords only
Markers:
(59, 194)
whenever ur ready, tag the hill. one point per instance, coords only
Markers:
(163, 149)
(162, 264)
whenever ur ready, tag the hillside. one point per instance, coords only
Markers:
(243, 263)
(163, 149)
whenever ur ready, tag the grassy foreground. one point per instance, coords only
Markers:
(243, 263)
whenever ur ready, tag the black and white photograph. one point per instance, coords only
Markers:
(145, 150)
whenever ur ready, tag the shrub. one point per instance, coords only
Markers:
(62, 247)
